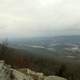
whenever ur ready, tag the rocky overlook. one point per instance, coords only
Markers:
(7, 73)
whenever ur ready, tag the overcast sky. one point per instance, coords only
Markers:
(24, 18)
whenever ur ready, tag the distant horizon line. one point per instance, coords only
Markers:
(37, 37)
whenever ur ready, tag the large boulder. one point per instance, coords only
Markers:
(54, 78)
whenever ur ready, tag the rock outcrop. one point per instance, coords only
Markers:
(7, 73)
(54, 78)
(4, 71)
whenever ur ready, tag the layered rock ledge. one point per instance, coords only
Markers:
(7, 73)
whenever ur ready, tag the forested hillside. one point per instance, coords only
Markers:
(18, 58)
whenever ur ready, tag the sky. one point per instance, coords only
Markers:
(30, 18)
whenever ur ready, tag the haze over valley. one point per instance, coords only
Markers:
(60, 46)
(41, 35)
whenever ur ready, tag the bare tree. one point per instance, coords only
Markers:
(4, 48)
(62, 70)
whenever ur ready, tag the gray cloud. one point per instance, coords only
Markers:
(24, 18)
